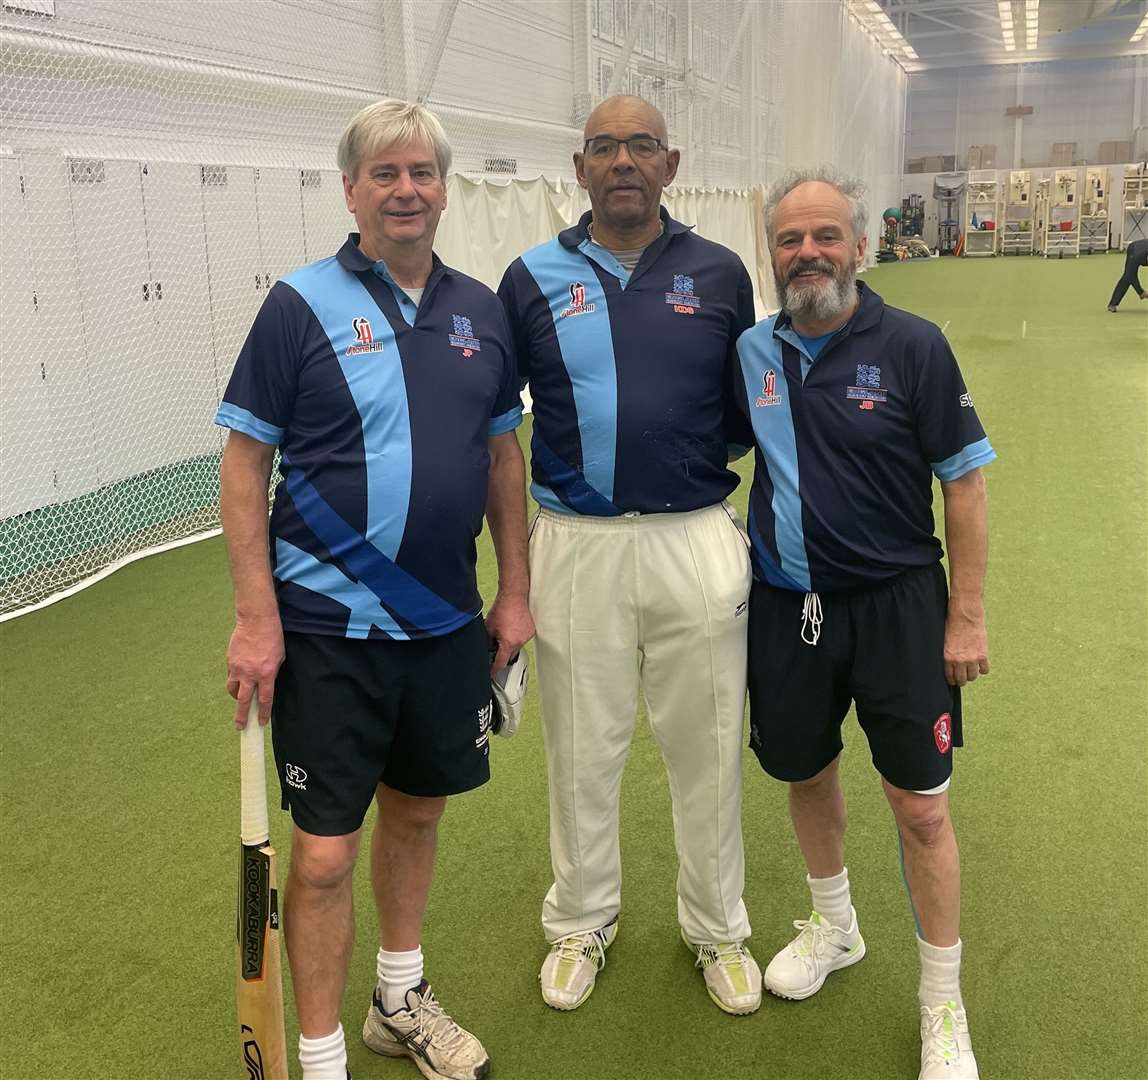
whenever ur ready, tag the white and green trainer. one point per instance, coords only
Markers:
(946, 1047)
(733, 979)
(801, 968)
(572, 965)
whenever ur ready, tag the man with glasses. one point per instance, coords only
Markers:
(625, 327)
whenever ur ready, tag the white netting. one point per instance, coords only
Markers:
(162, 164)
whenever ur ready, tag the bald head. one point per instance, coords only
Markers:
(624, 164)
(628, 110)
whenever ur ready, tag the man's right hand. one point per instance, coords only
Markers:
(253, 658)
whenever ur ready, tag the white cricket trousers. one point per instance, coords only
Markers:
(655, 602)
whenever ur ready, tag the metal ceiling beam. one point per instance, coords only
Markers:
(939, 61)
(963, 29)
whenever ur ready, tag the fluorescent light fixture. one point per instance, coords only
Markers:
(1031, 6)
(872, 5)
(1141, 30)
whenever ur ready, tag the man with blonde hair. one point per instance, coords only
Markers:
(625, 326)
(387, 381)
(855, 407)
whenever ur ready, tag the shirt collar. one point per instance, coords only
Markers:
(574, 236)
(352, 258)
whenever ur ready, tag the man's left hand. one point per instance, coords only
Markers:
(510, 624)
(966, 644)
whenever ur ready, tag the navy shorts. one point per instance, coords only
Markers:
(350, 714)
(880, 647)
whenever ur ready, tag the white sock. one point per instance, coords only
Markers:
(831, 899)
(398, 972)
(324, 1058)
(940, 974)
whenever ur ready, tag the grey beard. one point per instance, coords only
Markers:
(821, 302)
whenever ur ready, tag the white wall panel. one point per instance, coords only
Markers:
(182, 359)
(279, 199)
(119, 320)
(67, 436)
(1082, 101)
(26, 479)
(326, 219)
(234, 262)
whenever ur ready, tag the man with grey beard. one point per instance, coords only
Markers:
(854, 407)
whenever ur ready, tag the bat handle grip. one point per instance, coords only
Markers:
(252, 780)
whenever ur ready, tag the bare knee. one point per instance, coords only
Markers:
(410, 813)
(820, 787)
(323, 862)
(923, 819)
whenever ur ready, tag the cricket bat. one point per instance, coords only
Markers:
(258, 974)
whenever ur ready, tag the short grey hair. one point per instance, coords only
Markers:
(855, 191)
(386, 123)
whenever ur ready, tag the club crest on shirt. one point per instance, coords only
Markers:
(364, 340)
(463, 336)
(868, 388)
(682, 298)
(769, 394)
(578, 305)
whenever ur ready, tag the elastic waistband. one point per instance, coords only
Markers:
(890, 582)
(632, 520)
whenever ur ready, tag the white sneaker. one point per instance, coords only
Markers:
(733, 978)
(572, 965)
(423, 1032)
(800, 969)
(946, 1047)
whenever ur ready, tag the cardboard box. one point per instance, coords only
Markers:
(917, 165)
(1064, 153)
(973, 161)
(936, 163)
(1114, 153)
(949, 161)
(988, 156)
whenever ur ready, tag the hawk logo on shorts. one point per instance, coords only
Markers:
(769, 394)
(295, 776)
(485, 718)
(943, 732)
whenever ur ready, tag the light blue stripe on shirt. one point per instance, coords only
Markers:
(971, 457)
(232, 416)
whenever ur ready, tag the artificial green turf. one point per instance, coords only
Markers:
(119, 793)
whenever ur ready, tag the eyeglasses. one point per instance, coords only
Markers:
(605, 147)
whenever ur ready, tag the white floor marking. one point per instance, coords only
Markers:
(1023, 327)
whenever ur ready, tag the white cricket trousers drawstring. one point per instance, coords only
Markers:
(811, 618)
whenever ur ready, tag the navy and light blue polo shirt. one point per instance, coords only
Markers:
(382, 414)
(848, 438)
(631, 373)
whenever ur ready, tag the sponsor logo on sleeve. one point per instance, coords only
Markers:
(578, 305)
(682, 299)
(364, 340)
